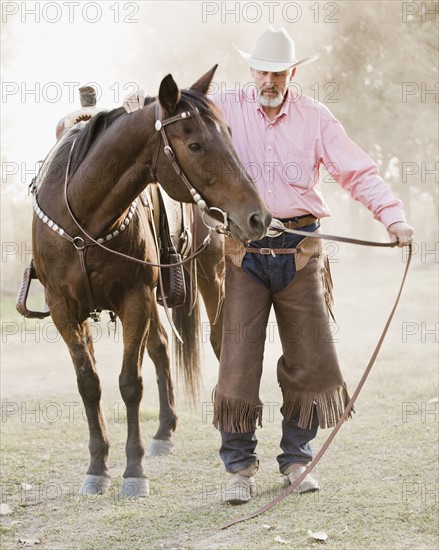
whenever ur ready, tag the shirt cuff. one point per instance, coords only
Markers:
(391, 214)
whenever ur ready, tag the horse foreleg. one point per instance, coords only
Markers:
(135, 323)
(79, 341)
(157, 346)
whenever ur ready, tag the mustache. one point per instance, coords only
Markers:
(274, 91)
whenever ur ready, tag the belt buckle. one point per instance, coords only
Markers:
(265, 251)
(271, 232)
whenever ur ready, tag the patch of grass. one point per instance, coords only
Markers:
(378, 479)
(147, 415)
(362, 497)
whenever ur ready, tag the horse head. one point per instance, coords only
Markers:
(197, 142)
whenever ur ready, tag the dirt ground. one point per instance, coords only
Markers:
(379, 478)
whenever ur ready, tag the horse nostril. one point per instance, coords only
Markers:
(256, 222)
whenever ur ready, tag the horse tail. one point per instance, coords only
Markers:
(186, 319)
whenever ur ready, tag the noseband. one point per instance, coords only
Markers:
(199, 201)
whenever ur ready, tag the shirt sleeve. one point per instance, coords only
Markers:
(356, 172)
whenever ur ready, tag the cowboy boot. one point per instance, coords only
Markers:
(241, 486)
(308, 484)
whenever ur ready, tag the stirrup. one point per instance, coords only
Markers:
(28, 275)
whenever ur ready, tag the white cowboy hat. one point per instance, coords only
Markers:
(274, 51)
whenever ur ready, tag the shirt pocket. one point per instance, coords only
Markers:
(301, 169)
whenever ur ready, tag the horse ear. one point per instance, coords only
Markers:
(169, 94)
(203, 83)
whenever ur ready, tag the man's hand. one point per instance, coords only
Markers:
(401, 232)
(134, 102)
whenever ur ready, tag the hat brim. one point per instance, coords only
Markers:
(273, 66)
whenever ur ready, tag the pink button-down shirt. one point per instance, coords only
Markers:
(283, 156)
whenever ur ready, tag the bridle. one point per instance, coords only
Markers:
(160, 126)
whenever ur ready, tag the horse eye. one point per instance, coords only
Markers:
(195, 147)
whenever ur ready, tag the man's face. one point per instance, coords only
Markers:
(272, 86)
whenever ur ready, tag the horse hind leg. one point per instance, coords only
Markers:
(79, 341)
(157, 346)
(210, 280)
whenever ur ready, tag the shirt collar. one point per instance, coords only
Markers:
(290, 99)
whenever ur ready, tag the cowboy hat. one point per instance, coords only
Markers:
(274, 51)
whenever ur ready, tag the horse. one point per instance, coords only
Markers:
(87, 222)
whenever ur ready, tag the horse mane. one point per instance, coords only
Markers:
(201, 104)
(84, 137)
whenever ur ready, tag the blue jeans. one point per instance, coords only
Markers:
(274, 272)
(238, 450)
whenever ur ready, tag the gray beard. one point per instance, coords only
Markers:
(271, 102)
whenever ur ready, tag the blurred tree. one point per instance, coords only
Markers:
(376, 54)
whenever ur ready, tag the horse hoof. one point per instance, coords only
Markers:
(160, 447)
(135, 487)
(95, 485)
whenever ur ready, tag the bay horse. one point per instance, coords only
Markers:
(102, 168)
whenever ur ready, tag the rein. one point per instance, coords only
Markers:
(335, 238)
(359, 387)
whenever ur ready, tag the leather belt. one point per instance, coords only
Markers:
(272, 251)
(290, 223)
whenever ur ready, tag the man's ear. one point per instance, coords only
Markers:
(169, 94)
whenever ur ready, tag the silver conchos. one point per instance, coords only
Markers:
(272, 232)
(50, 223)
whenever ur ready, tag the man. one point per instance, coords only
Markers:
(282, 139)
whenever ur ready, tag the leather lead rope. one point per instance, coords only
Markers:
(335, 238)
(348, 408)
